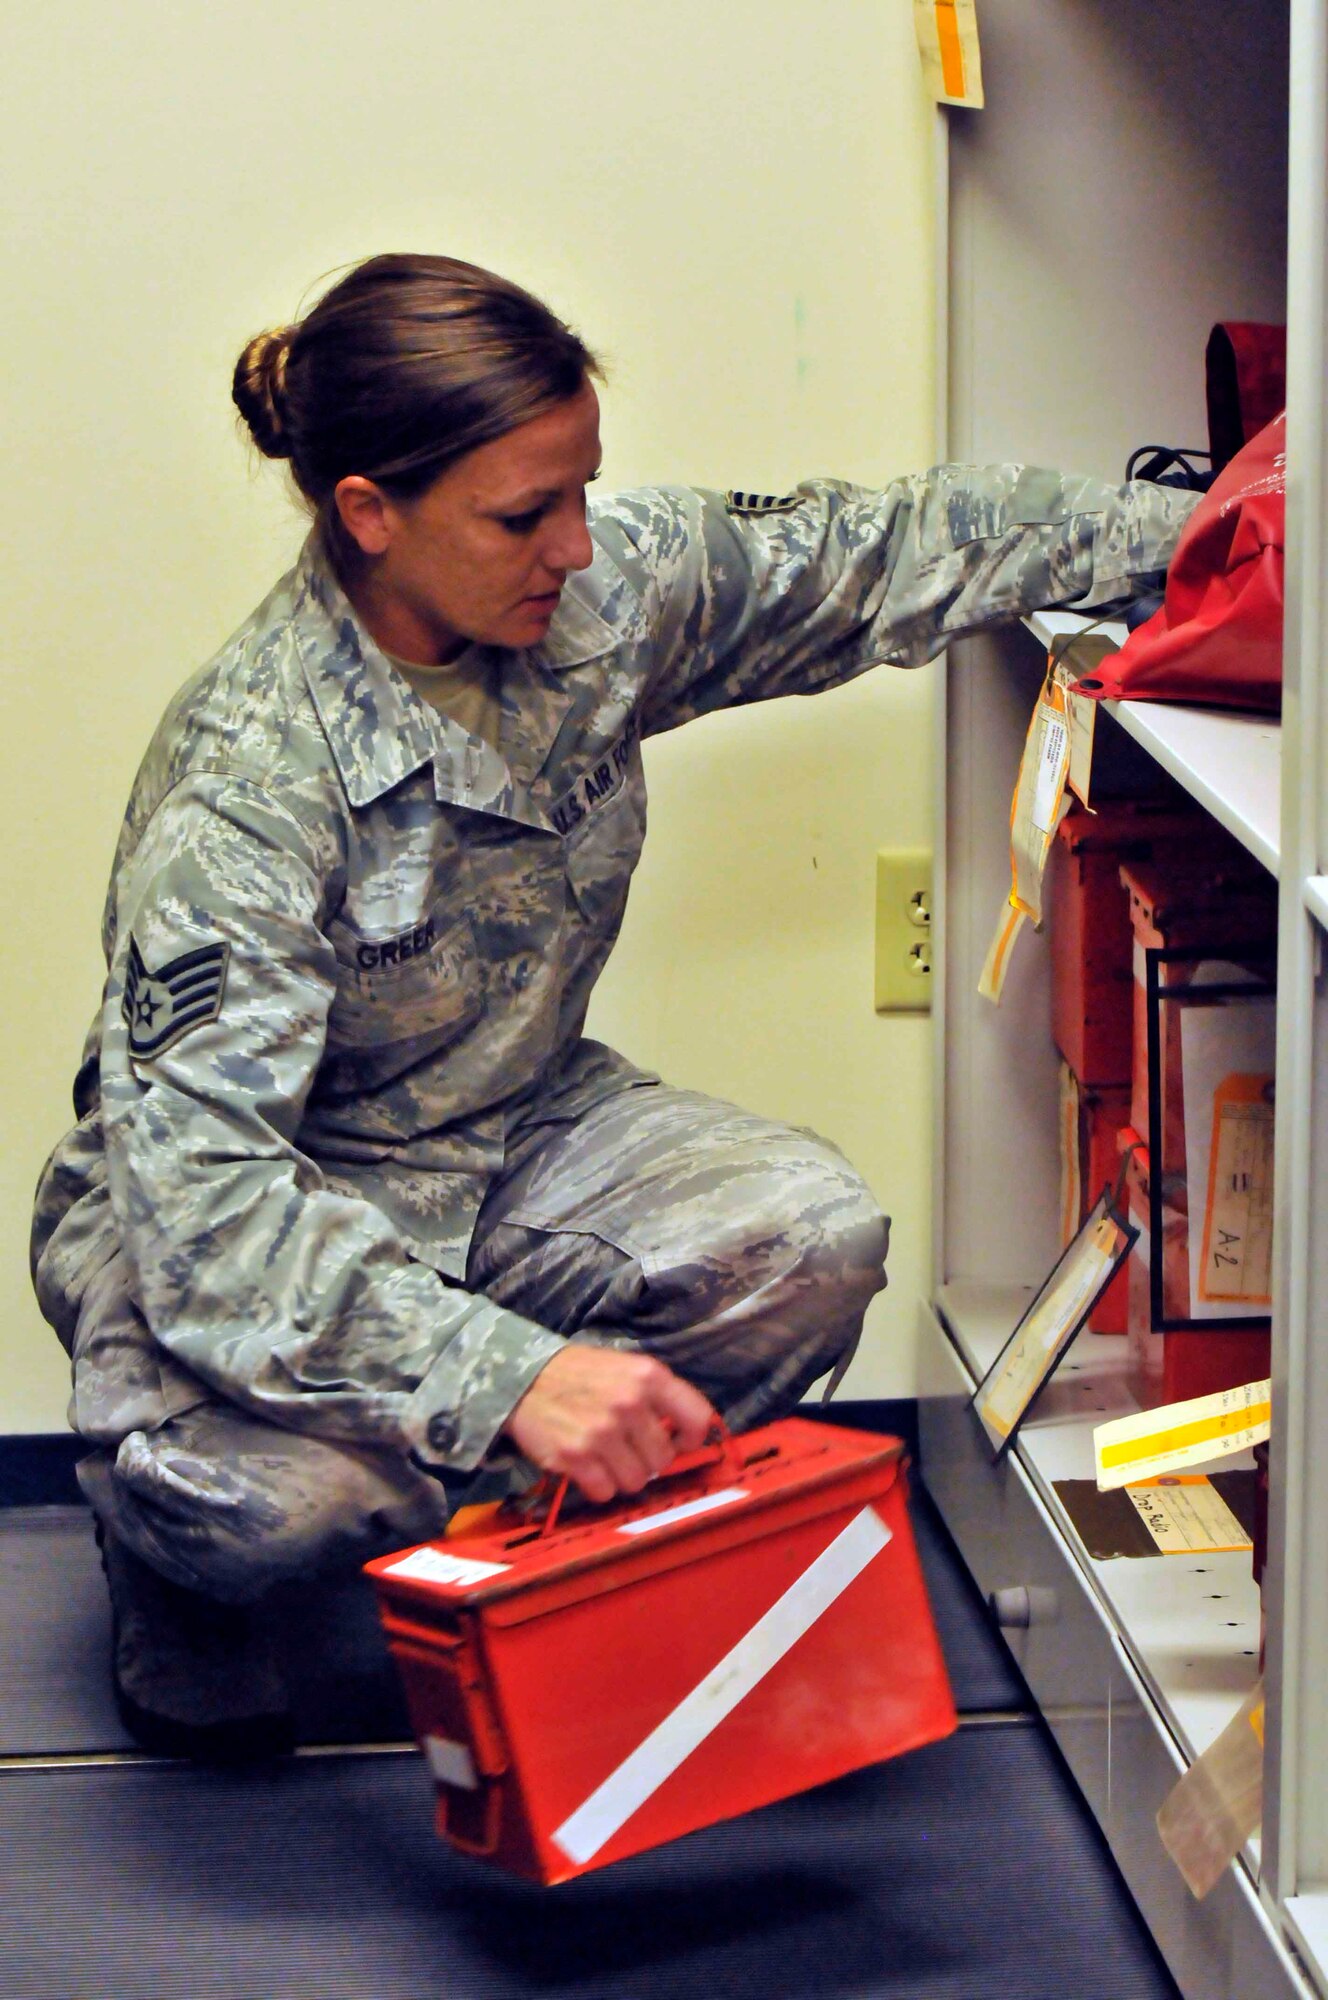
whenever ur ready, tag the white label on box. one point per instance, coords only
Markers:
(669, 1515)
(451, 1763)
(430, 1565)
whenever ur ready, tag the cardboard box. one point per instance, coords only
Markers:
(753, 1624)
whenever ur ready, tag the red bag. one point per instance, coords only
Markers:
(1245, 371)
(1218, 636)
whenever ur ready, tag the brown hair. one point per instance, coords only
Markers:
(400, 369)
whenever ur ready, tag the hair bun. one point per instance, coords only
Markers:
(258, 389)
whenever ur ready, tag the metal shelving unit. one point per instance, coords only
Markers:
(1170, 128)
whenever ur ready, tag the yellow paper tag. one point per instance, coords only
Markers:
(1238, 1218)
(1186, 1515)
(1035, 812)
(1181, 1435)
(947, 32)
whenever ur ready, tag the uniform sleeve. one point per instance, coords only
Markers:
(749, 599)
(284, 1295)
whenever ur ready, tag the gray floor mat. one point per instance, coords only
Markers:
(324, 1878)
(54, 1690)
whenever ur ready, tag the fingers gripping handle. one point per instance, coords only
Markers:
(718, 1450)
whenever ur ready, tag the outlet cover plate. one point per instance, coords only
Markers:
(903, 930)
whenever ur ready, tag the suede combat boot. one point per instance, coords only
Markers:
(192, 1677)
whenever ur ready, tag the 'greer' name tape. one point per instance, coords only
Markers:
(1183, 1434)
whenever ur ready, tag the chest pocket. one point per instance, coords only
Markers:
(601, 852)
(420, 985)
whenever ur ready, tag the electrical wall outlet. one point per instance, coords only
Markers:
(903, 931)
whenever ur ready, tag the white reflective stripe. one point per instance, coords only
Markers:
(685, 1511)
(612, 1804)
(451, 1763)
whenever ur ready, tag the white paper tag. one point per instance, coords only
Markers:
(704, 1505)
(1053, 762)
(1186, 1515)
(1181, 1435)
(430, 1565)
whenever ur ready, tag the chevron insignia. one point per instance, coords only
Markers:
(159, 1007)
(759, 503)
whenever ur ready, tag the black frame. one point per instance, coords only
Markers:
(1110, 1203)
(1259, 986)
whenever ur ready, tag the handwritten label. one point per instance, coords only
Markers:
(1238, 1219)
(1186, 1515)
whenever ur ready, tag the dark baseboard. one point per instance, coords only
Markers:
(37, 1470)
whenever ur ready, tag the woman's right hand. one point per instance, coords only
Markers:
(607, 1420)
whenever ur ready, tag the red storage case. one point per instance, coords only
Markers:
(1228, 912)
(1088, 921)
(754, 1624)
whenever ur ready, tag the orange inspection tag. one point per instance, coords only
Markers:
(947, 32)
(1035, 813)
(1238, 1216)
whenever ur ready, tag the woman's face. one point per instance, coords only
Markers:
(484, 552)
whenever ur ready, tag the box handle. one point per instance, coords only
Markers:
(717, 1450)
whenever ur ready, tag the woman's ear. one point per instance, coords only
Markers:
(365, 513)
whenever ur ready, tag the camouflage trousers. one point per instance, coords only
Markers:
(739, 1252)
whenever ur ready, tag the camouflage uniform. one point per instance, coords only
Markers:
(346, 1174)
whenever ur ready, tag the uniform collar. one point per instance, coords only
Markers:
(597, 611)
(381, 731)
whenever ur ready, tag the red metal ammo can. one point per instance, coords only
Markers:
(754, 1623)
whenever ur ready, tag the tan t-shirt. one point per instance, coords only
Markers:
(466, 689)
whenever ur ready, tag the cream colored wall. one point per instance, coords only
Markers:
(731, 201)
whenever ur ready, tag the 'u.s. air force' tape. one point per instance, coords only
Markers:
(158, 1007)
(1172, 1439)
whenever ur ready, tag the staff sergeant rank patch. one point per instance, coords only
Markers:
(760, 503)
(159, 1007)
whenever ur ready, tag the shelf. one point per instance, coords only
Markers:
(1231, 763)
(1189, 1625)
